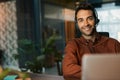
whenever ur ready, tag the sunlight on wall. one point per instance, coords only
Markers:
(53, 12)
(56, 12)
(69, 14)
(109, 19)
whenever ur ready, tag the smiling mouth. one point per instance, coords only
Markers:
(87, 28)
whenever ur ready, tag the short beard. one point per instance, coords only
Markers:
(92, 33)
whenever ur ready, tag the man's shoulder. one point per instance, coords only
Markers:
(109, 39)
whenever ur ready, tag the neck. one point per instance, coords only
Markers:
(90, 37)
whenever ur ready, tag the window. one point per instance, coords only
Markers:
(109, 19)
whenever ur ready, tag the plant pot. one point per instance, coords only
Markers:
(49, 60)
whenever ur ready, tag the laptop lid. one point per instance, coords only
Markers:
(101, 67)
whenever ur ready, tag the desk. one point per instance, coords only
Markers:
(35, 76)
(45, 77)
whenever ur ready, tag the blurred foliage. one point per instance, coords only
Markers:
(27, 48)
(29, 56)
(49, 46)
(36, 65)
(8, 71)
(49, 49)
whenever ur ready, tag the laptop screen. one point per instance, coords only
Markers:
(101, 67)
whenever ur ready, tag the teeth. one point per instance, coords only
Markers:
(87, 28)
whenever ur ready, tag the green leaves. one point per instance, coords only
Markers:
(4, 73)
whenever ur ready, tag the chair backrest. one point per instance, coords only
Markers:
(104, 33)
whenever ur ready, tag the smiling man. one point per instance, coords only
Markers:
(90, 42)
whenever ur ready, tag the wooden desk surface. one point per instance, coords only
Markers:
(45, 77)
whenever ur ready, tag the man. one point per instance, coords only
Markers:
(90, 42)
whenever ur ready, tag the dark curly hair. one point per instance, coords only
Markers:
(87, 6)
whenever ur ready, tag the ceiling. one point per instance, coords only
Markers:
(4, 0)
(72, 3)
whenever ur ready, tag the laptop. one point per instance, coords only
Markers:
(101, 67)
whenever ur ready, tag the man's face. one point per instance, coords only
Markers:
(86, 22)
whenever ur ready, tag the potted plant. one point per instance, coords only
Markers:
(28, 57)
(50, 51)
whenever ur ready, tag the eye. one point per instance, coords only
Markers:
(91, 18)
(80, 20)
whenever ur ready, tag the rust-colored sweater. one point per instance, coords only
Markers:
(77, 47)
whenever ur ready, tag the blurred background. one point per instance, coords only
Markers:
(33, 33)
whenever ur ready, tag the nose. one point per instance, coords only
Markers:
(86, 22)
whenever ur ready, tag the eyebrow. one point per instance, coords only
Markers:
(82, 18)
